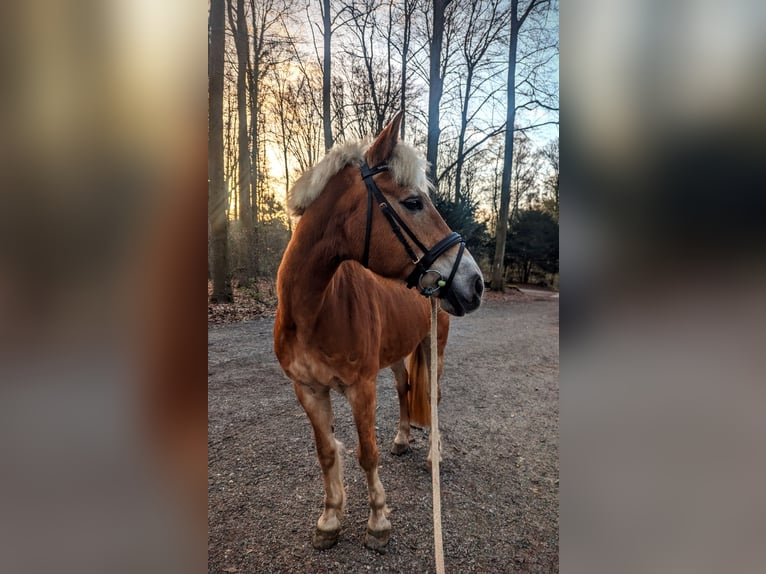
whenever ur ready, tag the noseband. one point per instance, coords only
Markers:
(422, 263)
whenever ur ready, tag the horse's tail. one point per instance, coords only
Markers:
(419, 389)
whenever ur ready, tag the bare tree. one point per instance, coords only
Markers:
(262, 19)
(297, 127)
(525, 168)
(271, 47)
(279, 109)
(339, 105)
(408, 11)
(436, 83)
(443, 62)
(486, 20)
(550, 153)
(326, 75)
(368, 66)
(230, 168)
(222, 292)
(294, 128)
(519, 15)
(309, 71)
(241, 41)
(325, 62)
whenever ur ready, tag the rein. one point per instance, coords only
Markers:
(435, 441)
(399, 227)
(422, 268)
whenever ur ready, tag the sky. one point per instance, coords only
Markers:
(450, 114)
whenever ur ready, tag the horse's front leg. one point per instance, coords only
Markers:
(316, 403)
(402, 439)
(362, 398)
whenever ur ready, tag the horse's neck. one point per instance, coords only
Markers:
(339, 305)
(308, 267)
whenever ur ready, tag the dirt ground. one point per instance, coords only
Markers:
(500, 480)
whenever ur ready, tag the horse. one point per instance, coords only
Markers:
(343, 311)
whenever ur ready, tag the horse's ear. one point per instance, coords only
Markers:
(383, 146)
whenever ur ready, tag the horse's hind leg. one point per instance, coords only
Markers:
(361, 396)
(316, 403)
(402, 440)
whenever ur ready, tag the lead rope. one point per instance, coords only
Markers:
(435, 486)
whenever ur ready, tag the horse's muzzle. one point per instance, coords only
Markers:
(459, 301)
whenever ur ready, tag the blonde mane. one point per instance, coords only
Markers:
(408, 167)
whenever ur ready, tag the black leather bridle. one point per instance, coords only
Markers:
(422, 263)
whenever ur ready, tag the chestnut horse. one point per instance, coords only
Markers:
(343, 311)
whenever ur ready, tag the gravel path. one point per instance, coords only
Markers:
(499, 419)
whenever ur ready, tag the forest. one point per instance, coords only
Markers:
(477, 81)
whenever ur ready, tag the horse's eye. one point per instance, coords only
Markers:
(413, 203)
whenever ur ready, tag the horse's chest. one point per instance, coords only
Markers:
(305, 368)
(329, 353)
(309, 365)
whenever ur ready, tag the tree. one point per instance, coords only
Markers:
(461, 217)
(517, 20)
(325, 63)
(525, 170)
(271, 45)
(374, 91)
(551, 201)
(242, 44)
(295, 126)
(533, 241)
(436, 83)
(409, 10)
(304, 140)
(279, 109)
(326, 75)
(485, 22)
(230, 158)
(385, 56)
(222, 292)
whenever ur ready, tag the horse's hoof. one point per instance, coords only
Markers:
(322, 540)
(400, 449)
(377, 540)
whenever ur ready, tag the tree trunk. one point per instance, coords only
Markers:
(216, 191)
(229, 169)
(326, 76)
(435, 86)
(498, 267)
(461, 137)
(527, 268)
(255, 105)
(405, 53)
(242, 44)
(283, 129)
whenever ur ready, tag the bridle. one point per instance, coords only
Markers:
(422, 263)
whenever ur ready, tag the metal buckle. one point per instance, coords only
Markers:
(437, 284)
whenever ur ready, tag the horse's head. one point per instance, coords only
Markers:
(408, 238)
(390, 224)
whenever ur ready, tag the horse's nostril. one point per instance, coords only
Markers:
(479, 285)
